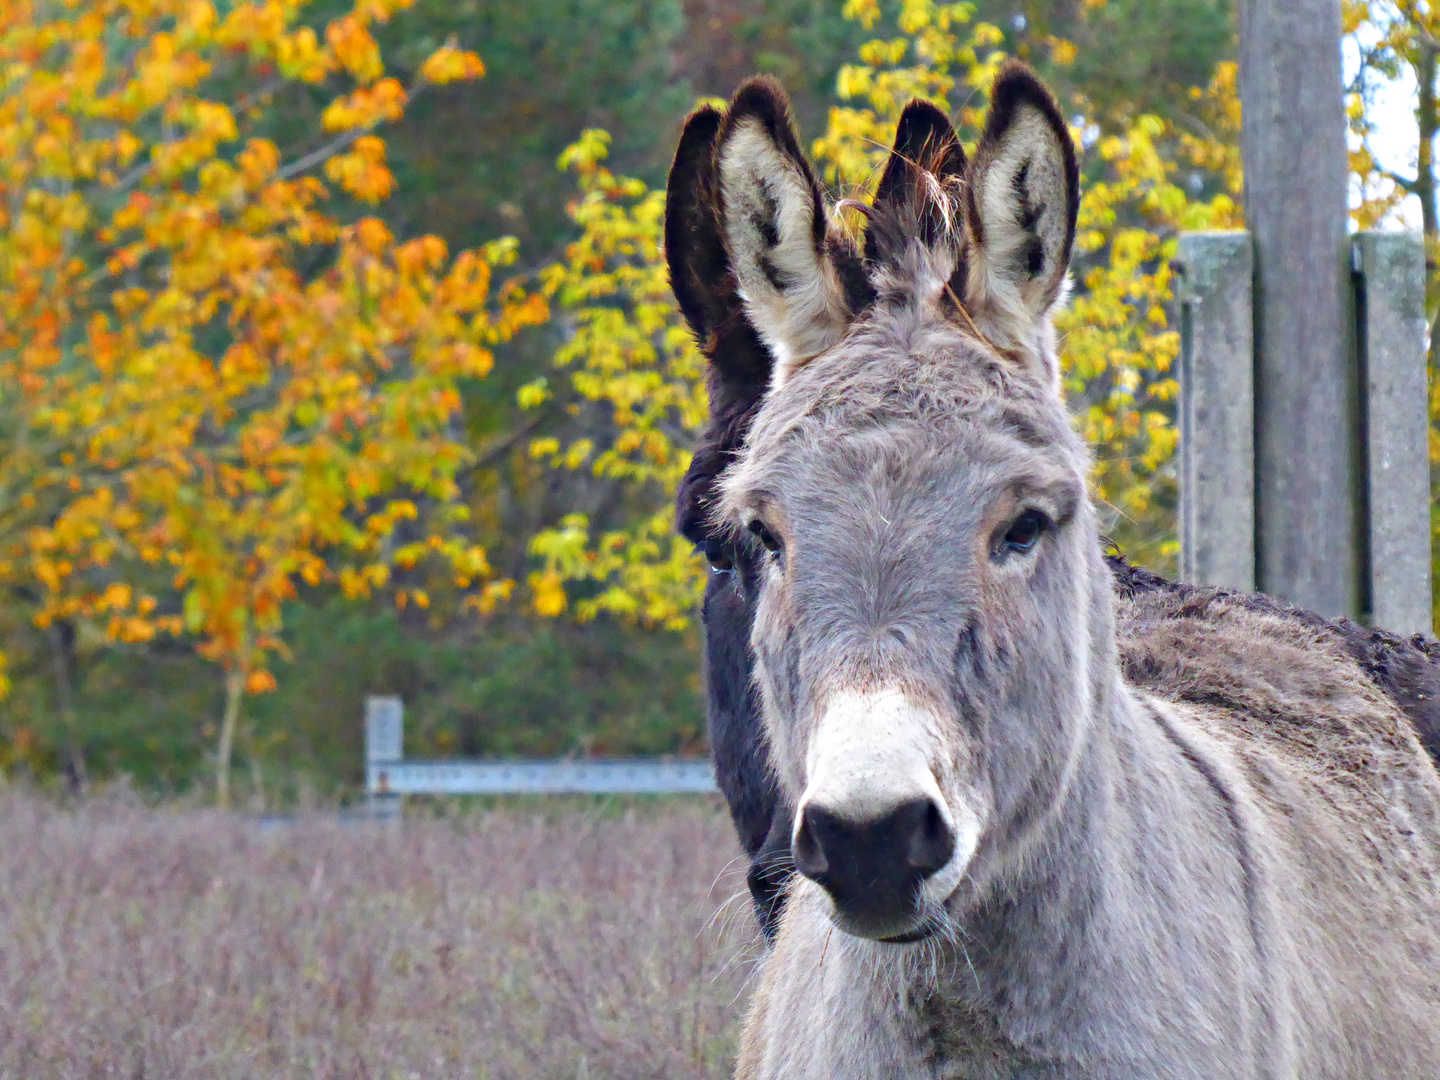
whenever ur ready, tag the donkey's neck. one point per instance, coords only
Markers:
(1107, 931)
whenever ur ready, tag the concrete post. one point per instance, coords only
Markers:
(384, 745)
(1390, 303)
(1217, 409)
(1308, 482)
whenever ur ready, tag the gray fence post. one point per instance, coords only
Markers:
(1308, 472)
(1390, 303)
(1217, 409)
(384, 745)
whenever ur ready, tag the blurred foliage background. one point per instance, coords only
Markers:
(583, 640)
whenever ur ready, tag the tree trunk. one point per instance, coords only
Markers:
(1429, 123)
(234, 694)
(257, 776)
(1428, 117)
(61, 636)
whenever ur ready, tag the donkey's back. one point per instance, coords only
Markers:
(1335, 816)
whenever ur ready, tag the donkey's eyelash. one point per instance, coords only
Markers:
(768, 540)
(1021, 534)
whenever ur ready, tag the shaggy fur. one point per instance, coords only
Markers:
(1405, 669)
(1205, 842)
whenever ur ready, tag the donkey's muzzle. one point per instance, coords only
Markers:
(874, 870)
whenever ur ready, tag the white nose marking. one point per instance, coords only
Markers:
(870, 751)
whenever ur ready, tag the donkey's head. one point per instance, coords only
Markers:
(931, 612)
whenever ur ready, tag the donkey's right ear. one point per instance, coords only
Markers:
(793, 276)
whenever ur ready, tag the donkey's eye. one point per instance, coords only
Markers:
(1022, 533)
(717, 553)
(768, 540)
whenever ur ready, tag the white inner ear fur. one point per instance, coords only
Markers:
(1000, 276)
(767, 197)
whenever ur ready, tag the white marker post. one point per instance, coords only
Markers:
(384, 748)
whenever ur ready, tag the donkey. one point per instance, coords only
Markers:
(1407, 670)
(1213, 854)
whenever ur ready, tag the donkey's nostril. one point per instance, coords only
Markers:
(932, 841)
(873, 869)
(806, 848)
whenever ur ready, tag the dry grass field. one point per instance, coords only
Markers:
(531, 942)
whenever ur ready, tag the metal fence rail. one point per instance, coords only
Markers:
(388, 775)
(539, 777)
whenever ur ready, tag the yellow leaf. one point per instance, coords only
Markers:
(549, 593)
(449, 64)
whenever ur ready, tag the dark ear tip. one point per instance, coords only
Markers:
(697, 136)
(1016, 85)
(925, 136)
(923, 114)
(705, 119)
(762, 96)
(1017, 78)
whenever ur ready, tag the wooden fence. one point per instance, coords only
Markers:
(1223, 416)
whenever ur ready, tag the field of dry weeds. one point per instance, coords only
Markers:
(160, 943)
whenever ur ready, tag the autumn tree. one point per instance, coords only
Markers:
(215, 387)
(1394, 38)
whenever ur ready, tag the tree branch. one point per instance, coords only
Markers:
(1411, 186)
(341, 141)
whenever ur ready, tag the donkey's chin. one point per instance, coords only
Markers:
(899, 929)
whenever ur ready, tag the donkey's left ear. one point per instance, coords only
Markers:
(739, 365)
(797, 279)
(1024, 197)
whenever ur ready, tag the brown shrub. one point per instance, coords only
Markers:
(181, 943)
